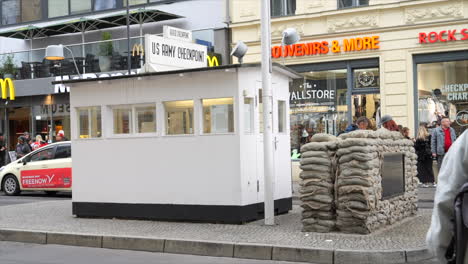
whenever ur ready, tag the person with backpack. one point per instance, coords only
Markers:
(446, 215)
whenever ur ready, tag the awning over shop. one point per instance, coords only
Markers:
(87, 23)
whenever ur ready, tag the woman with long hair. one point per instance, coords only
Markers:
(423, 150)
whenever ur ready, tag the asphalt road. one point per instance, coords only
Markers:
(31, 197)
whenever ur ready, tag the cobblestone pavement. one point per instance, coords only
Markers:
(55, 216)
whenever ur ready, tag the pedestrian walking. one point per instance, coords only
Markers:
(453, 175)
(2, 150)
(27, 140)
(423, 150)
(22, 148)
(387, 122)
(39, 143)
(442, 139)
(60, 136)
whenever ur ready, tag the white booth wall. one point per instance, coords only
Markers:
(198, 169)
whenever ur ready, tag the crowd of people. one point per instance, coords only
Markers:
(26, 144)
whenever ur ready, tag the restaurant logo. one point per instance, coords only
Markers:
(462, 118)
(324, 47)
(7, 86)
(212, 61)
(138, 49)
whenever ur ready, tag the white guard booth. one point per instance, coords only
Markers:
(184, 145)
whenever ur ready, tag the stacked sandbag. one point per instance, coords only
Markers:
(317, 184)
(360, 208)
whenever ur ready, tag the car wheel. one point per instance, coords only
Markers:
(11, 185)
(51, 192)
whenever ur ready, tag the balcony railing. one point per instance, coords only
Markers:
(91, 57)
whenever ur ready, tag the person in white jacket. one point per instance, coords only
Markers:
(452, 176)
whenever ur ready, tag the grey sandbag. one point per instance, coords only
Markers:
(321, 198)
(360, 165)
(322, 137)
(359, 172)
(309, 175)
(314, 146)
(354, 149)
(318, 154)
(318, 214)
(350, 142)
(355, 181)
(317, 183)
(315, 221)
(312, 205)
(317, 168)
(316, 160)
(363, 157)
(314, 189)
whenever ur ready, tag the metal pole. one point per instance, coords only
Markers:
(83, 50)
(129, 63)
(267, 97)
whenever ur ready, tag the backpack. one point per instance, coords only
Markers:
(457, 249)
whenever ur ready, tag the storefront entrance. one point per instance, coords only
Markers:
(331, 96)
(442, 89)
(19, 121)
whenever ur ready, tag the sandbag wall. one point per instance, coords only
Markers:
(358, 202)
(317, 184)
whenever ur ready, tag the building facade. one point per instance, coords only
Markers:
(367, 58)
(95, 31)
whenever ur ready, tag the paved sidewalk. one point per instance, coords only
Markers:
(56, 217)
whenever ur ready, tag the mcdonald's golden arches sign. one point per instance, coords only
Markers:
(7, 86)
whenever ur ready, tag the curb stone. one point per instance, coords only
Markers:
(219, 249)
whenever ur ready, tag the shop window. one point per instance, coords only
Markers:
(218, 115)
(281, 116)
(89, 122)
(11, 12)
(443, 92)
(352, 3)
(179, 117)
(57, 8)
(80, 6)
(367, 105)
(318, 105)
(122, 117)
(145, 119)
(248, 114)
(31, 10)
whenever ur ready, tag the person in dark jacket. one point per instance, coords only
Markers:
(442, 139)
(2, 150)
(423, 150)
(362, 123)
(22, 148)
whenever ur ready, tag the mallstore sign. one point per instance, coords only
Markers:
(443, 36)
(456, 92)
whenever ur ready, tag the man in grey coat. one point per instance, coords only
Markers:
(452, 176)
(442, 139)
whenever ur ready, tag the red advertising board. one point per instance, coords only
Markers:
(47, 178)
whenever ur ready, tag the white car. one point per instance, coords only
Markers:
(46, 169)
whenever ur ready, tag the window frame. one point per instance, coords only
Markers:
(133, 118)
(355, 4)
(251, 115)
(282, 118)
(233, 116)
(89, 109)
(194, 120)
(284, 9)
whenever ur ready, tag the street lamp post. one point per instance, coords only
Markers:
(267, 97)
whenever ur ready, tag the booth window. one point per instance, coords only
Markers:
(218, 115)
(122, 120)
(89, 122)
(179, 117)
(248, 115)
(145, 119)
(281, 116)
